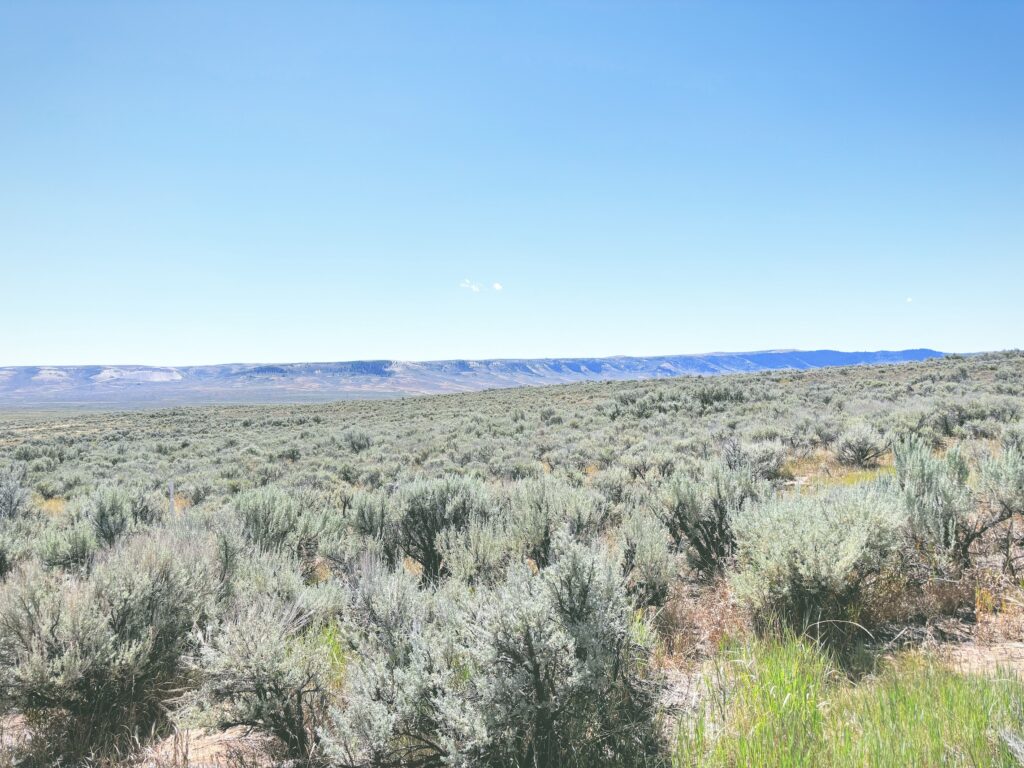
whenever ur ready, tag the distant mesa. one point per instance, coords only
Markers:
(138, 385)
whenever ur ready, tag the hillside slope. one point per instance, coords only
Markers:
(255, 383)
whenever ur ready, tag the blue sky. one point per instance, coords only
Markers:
(211, 182)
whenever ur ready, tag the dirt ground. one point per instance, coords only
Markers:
(203, 749)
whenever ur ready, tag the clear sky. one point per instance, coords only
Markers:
(217, 182)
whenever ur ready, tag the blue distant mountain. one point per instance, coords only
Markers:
(134, 385)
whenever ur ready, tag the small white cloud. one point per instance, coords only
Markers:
(909, 300)
(474, 287)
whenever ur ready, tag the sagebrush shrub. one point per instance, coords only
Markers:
(939, 501)
(807, 559)
(1012, 438)
(648, 563)
(94, 661)
(1003, 480)
(698, 513)
(372, 516)
(389, 711)
(546, 669)
(14, 495)
(764, 459)
(860, 446)
(275, 518)
(563, 675)
(8, 554)
(357, 440)
(269, 667)
(270, 515)
(110, 514)
(542, 508)
(69, 547)
(479, 552)
(429, 508)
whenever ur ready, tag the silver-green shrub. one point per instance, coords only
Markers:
(647, 562)
(110, 514)
(804, 559)
(860, 446)
(764, 458)
(428, 508)
(294, 519)
(69, 546)
(479, 552)
(357, 440)
(14, 494)
(939, 502)
(541, 669)
(542, 508)
(371, 516)
(1003, 481)
(698, 512)
(270, 516)
(271, 666)
(94, 662)
(563, 675)
(388, 713)
(1012, 437)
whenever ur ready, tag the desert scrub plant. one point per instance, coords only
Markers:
(698, 513)
(274, 517)
(540, 509)
(269, 669)
(808, 560)
(371, 516)
(566, 674)
(94, 662)
(541, 669)
(357, 440)
(479, 552)
(7, 555)
(1002, 478)
(764, 459)
(14, 495)
(109, 512)
(385, 606)
(69, 547)
(1002, 481)
(647, 562)
(612, 483)
(388, 713)
(1012, 438)
(429, 508)
(860, 446)
(715, 397)
(938, 499)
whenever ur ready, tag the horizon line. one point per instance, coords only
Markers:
(721, 353)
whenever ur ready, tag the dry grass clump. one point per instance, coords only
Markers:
(697, 619)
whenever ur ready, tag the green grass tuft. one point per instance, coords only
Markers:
(785, 704)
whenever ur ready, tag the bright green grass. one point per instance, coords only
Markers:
(787, 706)
(332, 642)
(858, 476)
